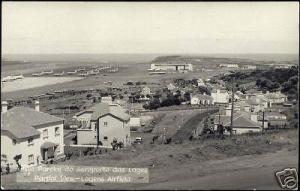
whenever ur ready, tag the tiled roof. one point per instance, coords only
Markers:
(203, 97)
(274, 95)
(21, 121)
(239, 121)
(102, 109)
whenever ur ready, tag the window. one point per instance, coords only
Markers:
(30, 141)
(3, 158)
(57, 133)
(30, 159)
(105, 138)
(105, 123)
(14, 141)
(45, 134)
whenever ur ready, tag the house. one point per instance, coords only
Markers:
(200, 82)
(276, 119)
(229, 65)
(256, 104)
(249, 67)
(275, 97)
(220, 96)
(171, 87)
(242, 123)
(106, 123)
(30, 136)
(201, 99)
(146, 91)
(106, 99)
(135, 122)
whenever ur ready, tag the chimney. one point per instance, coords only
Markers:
(37, 105)
(4, 106)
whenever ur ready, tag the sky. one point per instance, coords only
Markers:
(150, 27)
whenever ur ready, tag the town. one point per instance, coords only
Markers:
(149, 96)
(141, 114)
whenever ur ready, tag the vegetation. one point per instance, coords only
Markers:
(285, 80)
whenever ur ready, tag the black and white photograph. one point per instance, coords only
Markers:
(171, 95)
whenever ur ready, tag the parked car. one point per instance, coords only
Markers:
(138, 140)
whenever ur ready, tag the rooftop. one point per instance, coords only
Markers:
(21, 122)
(203, 97)
(240, 120)
(102, 109)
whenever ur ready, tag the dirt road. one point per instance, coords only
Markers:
(246, 172)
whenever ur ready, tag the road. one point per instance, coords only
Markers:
(191, 124)
(246, 172)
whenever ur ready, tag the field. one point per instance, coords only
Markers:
(242, 162)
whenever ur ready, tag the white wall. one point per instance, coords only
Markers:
(115, 129)
(219, 97)
(86, 136)
(194, 101)
(246, 130)
(23, 148)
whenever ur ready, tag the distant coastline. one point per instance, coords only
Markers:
(139, 58)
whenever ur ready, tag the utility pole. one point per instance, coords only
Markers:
(219, 117)
(263, 120)
(164, 135)
(232, 109)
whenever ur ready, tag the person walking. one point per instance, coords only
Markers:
(7, 169)
(19, 166)
(38, 160)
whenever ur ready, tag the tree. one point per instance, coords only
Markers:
(187, 96)
(203, 90)
(154, 104)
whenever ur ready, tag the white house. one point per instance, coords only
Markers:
(242, 123)
(146, 91)
(220, 96)
(30, 136)
(200, 82)
(171, 87)
(135, 122)
(106, 99)
(275, 97)
(229, 65)
(201, 99)
(107, 122)
(249, 67)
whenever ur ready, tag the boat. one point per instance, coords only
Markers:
(59, 74)
(84, 74)
(37, 74)
(72, 72)
(48, 72)
(154, 73)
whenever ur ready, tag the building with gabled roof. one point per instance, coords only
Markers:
(30, 135)
(220, 96)
(104, 123)
(242, 123)
(201, 99)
